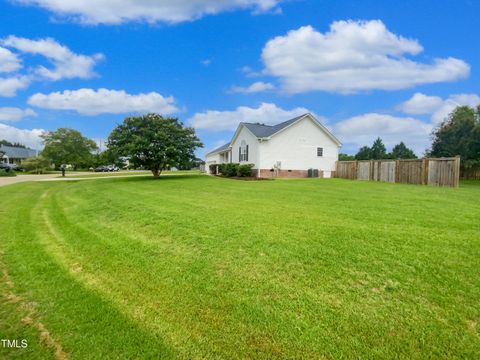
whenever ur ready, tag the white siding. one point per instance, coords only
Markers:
(253, 148)
(211, 159)
(296, 148)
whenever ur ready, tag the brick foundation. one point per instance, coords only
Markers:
(267, 173)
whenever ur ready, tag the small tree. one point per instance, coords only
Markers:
(365, 153)
(154, 142)
(345, 157)
(68, 146)
(401, 151)
(37, 165)
(378, 150)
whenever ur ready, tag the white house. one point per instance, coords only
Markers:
(15, 155)
(288, 149)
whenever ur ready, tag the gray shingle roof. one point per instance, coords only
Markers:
(262, 130)
(17, 153)
(221, 148)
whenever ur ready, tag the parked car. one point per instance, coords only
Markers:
(101, 169)
(107, 168)
(112, 168)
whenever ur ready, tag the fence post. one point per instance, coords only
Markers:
(424, 171)
(456, 180)
(397, 171)
(356, 169)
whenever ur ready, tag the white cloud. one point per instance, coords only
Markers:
(9, 62)
(353, 56)
(436, 106)
(266, 113)
(421, 104)
(258, 86)
(67, 64)
(364, 129)
(15, 114)
(168, 11)
(249, 72)
(9, 86)
(30, 138)
(94, 102)
(206, 62)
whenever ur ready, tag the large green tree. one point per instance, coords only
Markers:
(154, 142)
(459, 134)
(68, 146)
(401, 151)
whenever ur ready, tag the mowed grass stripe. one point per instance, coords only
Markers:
(77, 317)
(304, 268)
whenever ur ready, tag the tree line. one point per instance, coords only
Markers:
(378, 151)
(150, 142)
(457, 135)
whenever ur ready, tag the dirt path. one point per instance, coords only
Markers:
(22, 178)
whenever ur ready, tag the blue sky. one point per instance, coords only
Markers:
(365, 68)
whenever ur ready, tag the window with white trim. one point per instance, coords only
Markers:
(319, 151)
(243, 151)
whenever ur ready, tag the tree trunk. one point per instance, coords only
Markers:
(156, 172)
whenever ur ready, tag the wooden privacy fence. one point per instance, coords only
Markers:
(435, 171)
(470, 174)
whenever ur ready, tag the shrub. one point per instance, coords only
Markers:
(245, 170)
(222, 169)
(231, 169)
(36, 165)
(4, 172)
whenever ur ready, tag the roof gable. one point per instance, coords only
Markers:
(315, 121)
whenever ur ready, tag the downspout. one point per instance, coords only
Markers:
(258, 158)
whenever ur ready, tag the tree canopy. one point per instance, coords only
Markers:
(379, 152)
(365, 153)
(401, 151)
(459, 134)
(14, 144)
(345, 157)
(68, 146)
(154, 142)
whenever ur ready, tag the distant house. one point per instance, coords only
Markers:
(288, 149)
(15, 155)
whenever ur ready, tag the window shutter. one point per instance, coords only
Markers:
(239, 153)
(246, 155)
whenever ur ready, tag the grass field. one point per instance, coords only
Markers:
(195, 267)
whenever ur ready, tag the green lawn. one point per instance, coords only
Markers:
(195, 267)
